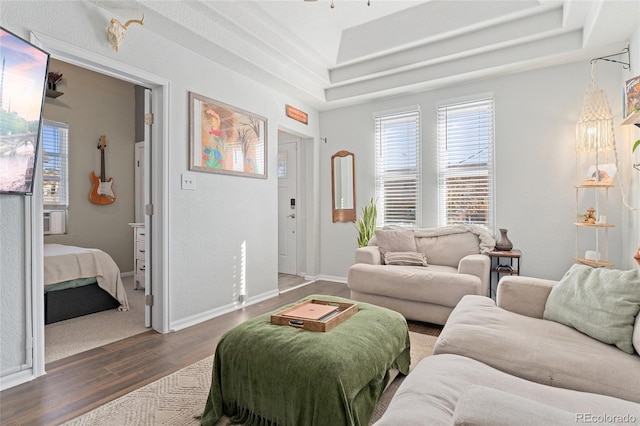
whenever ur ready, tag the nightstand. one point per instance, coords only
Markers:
(139, 257)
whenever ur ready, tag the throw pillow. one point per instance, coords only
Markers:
(636, 334)
(395, 240)
(601, 303)
(408, 258)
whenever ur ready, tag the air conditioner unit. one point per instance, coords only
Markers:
(54, 222)
(47, 223)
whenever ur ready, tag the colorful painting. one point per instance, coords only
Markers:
(632, 96)
(225, 139)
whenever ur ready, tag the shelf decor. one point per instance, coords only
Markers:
(226, 139)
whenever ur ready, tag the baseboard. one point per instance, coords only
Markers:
(213, 313)
(126, 274)
(342, 280)
(14, 379)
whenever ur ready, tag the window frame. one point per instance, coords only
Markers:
(485, 131)
(56, 211)
(413, 171)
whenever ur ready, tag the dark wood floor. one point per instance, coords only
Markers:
(80, 383)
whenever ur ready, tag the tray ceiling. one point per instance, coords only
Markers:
(354, 52)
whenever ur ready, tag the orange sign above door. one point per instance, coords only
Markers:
(297, 114)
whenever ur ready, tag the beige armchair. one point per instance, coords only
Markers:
(455, 267)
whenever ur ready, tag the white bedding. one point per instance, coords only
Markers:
(64, 263)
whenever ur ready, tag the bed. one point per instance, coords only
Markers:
(80, 281)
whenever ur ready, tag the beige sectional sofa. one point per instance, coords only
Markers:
(503, 364)
(455, 267)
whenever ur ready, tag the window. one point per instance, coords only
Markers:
(55, 179)
(398, 168)
(465, 163)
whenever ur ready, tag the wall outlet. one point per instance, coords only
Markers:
(188, 181)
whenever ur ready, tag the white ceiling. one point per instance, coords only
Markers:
(330, 57)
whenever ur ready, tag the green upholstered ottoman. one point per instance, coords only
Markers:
(280, 375)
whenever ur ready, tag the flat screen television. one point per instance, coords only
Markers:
(23, 85)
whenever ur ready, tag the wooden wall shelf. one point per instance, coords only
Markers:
(594, 263)
(593, 225)
(53, 93)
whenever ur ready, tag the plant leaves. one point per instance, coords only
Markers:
(635, 146)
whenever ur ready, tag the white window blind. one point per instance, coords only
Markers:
(465, 163)
(55, 178)
(398, 168)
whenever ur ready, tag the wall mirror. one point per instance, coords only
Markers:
(343, 187)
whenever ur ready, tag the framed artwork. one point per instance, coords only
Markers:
(632, 96)
(225, 139)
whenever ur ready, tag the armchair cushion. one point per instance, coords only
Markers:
(448, 249)
(401, 240)
(602, 303)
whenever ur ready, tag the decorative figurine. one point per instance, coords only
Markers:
(116, 30)
(590, 216)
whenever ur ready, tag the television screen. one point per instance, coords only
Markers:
(23, 78)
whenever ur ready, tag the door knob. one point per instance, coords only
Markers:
(292, 216)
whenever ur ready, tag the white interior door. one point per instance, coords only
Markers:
(139, 177)
(148, 291)
(287, 205)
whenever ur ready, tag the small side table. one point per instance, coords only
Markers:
(498, 267)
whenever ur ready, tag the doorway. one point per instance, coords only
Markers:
(291, 213)
(157, 226)
(115, 121)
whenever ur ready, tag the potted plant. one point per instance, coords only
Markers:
(366, 224)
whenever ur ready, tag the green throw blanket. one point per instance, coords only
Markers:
(266, 374)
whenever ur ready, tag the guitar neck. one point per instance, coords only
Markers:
(103, 177)
(101, 146)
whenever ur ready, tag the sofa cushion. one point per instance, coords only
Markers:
(602, 303)
(636, 334)
(430, 394)
(438, 285)
(542, 351)
(485, 406)
(412, 258)
(448, 249)
(395, 240)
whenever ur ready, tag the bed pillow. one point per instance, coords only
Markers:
(408, 258)
(398, 240)
(601, 303)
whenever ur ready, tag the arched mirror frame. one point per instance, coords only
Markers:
(343, 215)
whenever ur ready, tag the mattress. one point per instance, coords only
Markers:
(63, 263)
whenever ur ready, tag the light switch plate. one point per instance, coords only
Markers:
(188, 182)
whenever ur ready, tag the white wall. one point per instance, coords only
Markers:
(536, 113)
(12, 290)
(227, 218)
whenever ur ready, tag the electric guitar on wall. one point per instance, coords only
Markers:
(101, 190)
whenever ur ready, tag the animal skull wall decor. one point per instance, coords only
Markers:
(115, 31)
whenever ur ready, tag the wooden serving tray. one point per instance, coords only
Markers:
(345, 310)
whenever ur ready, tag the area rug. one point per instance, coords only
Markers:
(176, 399)
(72, 336)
